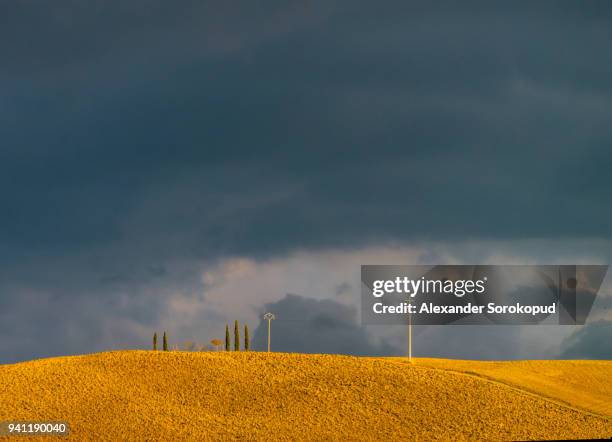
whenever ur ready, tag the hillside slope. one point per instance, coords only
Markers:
(170, 395)
(582, 384)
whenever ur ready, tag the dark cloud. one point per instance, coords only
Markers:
(141, 137)
(309, 325)
(591, 341)
(39, 38)
(446, 122)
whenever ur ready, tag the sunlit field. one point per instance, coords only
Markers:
(211, 395)
(583, 384)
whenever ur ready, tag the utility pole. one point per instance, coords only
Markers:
(409, 331)
(269, 317)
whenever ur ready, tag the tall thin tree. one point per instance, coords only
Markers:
(236, 336)
(165, 342)
(247, 343)
(155, 341)
(227, 338)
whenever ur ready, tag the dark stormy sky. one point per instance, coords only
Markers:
(178, 165)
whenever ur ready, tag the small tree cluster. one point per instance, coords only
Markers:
(216, 343)
(164, 343)
(228, 344)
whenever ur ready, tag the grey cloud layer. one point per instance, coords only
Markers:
(409, 123)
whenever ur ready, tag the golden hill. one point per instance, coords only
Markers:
(178, 395)
(583, 384)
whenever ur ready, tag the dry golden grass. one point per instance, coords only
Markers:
(583, 384)
(131, 395)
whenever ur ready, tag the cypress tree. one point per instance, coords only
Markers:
(236, 336)
(155, 341)
(227, 338)
(165, 343)
(247, 344)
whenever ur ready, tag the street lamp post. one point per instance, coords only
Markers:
(269, 317)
